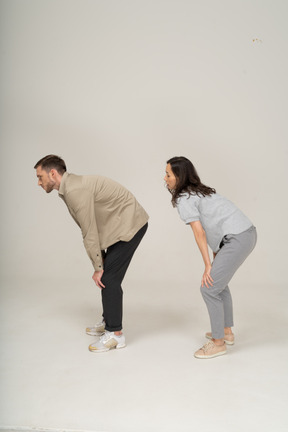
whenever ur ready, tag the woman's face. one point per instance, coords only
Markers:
(170, 178)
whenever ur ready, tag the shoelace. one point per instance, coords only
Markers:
(105, 337)
(100, 323)
(207, 346)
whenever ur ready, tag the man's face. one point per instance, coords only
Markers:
(45, 180)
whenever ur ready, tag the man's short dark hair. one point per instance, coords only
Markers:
(52, 162)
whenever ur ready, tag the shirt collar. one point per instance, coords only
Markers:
(62, 184)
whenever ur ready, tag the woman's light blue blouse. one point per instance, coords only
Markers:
(218, 216)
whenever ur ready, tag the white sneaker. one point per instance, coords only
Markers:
(96, 330)
(108, 341)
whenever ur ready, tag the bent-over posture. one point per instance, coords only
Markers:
(216, 222)
(113, 224)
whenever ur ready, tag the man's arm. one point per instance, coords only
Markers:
(81, 207)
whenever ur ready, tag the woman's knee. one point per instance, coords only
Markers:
(210, 292)
(204, 292)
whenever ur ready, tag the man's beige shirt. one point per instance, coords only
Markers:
(105, 211)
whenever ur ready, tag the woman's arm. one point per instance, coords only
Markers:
(201, 241)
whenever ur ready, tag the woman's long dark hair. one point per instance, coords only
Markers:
(187, 178)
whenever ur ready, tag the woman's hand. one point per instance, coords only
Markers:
(206, 278)
(201, 241)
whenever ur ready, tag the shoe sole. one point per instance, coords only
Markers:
(94, 333)
(226, 341)
(106, 349)
(210, 356)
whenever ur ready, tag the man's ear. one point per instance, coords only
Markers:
(53, 173)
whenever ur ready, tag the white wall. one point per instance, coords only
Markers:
(118, 87)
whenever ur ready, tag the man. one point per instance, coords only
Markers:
(113, 224)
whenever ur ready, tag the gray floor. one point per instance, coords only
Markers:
(51, 381)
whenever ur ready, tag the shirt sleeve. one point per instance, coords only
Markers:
(187, 207)
(82, 208)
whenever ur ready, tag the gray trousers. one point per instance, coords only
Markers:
(235, 249)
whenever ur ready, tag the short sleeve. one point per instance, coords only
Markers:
(187, 207)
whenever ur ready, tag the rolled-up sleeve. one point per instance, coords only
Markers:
(82, 208)
(188, 208)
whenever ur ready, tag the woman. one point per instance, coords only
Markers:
(216, 222)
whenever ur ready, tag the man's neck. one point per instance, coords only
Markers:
(60, 182)
(58, 179)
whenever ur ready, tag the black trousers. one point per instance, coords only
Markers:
(116, 263)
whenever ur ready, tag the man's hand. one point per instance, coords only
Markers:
(97, 278)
